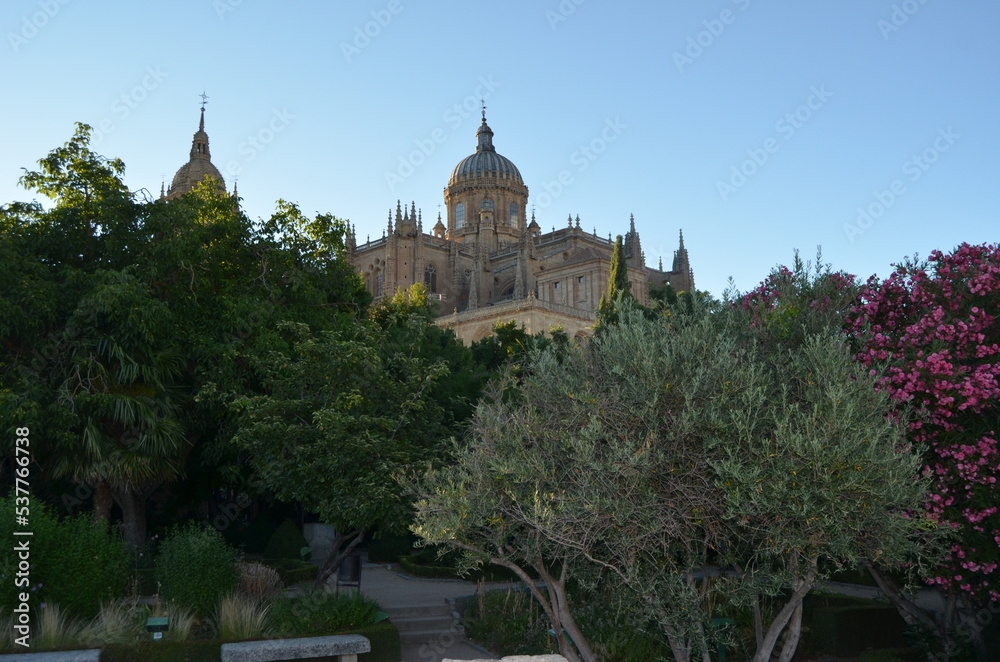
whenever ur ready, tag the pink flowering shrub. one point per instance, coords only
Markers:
(793, 303)
(935, 325)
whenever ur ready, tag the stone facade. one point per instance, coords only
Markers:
(487, 263)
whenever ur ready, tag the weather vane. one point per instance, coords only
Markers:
(204, 99)
(483, 101)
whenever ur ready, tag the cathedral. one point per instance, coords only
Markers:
(486, 262)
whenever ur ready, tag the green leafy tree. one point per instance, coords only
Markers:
(666, 445)
(123, 317)
(619, 287)
(335, 422)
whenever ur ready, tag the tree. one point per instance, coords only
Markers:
(935, 324)
(817, 478)
(336, 420)
(668, 444)
(619, 287)
(122, 318)
(121, 394)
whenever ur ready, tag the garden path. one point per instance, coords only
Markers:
(421, 610)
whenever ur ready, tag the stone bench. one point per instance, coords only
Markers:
(345, 647)
(93, 655)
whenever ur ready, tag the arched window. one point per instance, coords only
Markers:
(431, 279)
(513, 213)
(379, 282)
(487, 205)
(459, 215)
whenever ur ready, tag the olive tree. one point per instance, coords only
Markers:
(669, 449)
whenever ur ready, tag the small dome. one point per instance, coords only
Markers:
(191, 173)
(485, 162)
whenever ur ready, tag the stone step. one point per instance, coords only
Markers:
(432, 637)
(430, 623)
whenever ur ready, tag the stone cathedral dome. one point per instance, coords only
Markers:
(198, 166)
(485, 163)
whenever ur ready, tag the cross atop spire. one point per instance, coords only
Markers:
(483, 102)
(204, 99)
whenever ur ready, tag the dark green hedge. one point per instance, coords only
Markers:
(851, 629)
(422, 564)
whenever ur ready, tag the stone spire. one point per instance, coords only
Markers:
(682, 266)
(199, 163)
(633, 247)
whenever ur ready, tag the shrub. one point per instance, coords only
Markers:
(117, 622)
(75, 562)
(256, 535)
(510, 623)
(286, 542)
(238, 618)
(258, 582)
(846, 629)
(317, 612)
(294, 572)
(195, 568)
(181, 620)
(56, 629)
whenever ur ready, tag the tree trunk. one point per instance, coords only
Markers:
(908, 610)
(569, 623)
(102, 501)
(134, 518)
(766, 649)
(337, 555)
(792, 638)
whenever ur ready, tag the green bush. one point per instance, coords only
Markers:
(384, 638)
(427, 563)
(316, 613)
(195, 568)
(286, 542)
(509, 623)
(257, 533)
(849, 629)
(292, 571)
(76, 563)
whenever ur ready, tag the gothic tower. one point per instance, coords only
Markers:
(199, 164)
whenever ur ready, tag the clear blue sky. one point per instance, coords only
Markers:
(645, 108)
